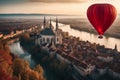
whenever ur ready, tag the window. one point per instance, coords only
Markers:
(43, 39)
(52, 39)
(48, 40)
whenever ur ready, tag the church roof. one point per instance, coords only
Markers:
(47, 31)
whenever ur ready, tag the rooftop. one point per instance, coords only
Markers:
(47, 31)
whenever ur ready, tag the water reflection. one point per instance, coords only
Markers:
(109, 42)
(16, 49)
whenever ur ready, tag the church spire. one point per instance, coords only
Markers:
(56, 24)
(115, 47)
(44, 22)
(50, 24)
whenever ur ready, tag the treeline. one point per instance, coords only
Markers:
(41, 56)
(58, 68)
(14, 68)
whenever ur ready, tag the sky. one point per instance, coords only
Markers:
(70, 7)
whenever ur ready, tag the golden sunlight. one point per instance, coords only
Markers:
(55, 8)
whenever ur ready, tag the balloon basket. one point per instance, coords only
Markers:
(100, 36)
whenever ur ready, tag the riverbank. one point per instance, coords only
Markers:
(54, 69)
(83, 50)
(73, 48)
(13, 67)
(83, 24)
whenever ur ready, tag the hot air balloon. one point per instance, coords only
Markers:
(101, 16)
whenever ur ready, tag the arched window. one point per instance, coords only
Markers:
(48, 40)
(43, 40)
(51, 39)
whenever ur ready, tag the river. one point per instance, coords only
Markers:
(109, 42)
(17, 49)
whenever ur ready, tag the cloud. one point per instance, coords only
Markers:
(52, 1)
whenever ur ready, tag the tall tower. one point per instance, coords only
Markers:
(44, 23)
(56, 24)
(50, 24)
(115, 47)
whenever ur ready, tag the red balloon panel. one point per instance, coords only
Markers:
(101, 16)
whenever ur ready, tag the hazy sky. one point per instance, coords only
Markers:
(75, 7)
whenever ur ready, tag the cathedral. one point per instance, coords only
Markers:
(49, 35)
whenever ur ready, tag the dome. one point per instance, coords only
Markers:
(47, 31)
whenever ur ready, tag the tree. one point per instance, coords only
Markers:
(22, 70)
(40, 72)
(4, 75)
(19, 66)
(39, 69)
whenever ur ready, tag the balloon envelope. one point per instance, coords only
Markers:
(101, 16)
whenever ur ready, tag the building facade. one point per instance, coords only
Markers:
(48, 35)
